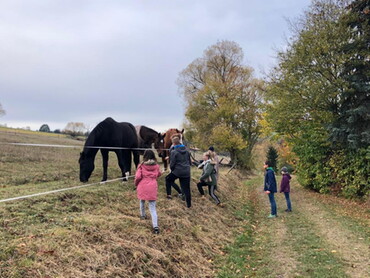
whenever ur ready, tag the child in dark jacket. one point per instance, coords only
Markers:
(285, 187)
(270, 188)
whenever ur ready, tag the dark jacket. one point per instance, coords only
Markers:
(270, 181)
(209, 173)
(180, 161)
(285, 183)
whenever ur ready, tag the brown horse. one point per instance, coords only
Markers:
(167, 143)
(148, 137)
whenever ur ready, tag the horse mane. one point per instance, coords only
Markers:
(148, 129)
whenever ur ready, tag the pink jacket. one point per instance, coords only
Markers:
(146, 180)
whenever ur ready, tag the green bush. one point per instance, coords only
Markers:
(350, 172)
(342, 172)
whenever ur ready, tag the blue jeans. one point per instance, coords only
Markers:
(153, 211)
(287, 198)
(273, 203)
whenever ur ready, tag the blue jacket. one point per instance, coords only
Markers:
(270, 181)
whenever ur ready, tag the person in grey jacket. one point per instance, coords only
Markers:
(208, 177)
(180, 163)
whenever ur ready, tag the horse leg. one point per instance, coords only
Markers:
(164, 160)
(104, 154)
(120, 158)
(127, 162)
(136, 158)
(123, 157)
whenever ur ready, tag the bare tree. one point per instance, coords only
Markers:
(75, 128)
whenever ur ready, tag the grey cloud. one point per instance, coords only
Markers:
(72, 60)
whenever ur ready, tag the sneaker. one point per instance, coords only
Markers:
(143, 217)
(288, 210)
(182, 196)
(203, 197)
(221, 205)
(169, 197)
(272, 216)
(155, 230)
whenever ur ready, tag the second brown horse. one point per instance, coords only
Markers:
(167, 143)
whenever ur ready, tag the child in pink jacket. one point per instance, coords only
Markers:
(147, 186)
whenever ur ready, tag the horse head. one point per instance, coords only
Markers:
(86, 167)
(179, 134)
(167, 139)
(159, 144)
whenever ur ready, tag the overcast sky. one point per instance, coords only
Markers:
(84, 60)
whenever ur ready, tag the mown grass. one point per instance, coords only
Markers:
(355, 218)
(261, 250)
(246, 257)
(317, 260)
(24, 131)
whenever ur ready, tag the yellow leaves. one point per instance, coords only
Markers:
(222, 98)
(266, 127)
(227, 138)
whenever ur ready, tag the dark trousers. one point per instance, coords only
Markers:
(273, 203)
(170, 182)
(185, 187)
(211, 190)
(287, 198)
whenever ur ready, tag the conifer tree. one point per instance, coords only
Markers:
(352, 127)
(272, 156)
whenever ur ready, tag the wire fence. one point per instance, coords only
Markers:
(78, 186)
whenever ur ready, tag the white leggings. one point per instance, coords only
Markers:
(153, 211)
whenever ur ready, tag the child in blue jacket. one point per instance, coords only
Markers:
(270, 188)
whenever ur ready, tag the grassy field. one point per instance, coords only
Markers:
(97, 232)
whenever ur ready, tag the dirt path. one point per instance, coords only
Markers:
(283, 252)
(320, 238)
(350, 246)
(280, 249)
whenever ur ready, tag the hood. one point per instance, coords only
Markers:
(150, 162)
(211, 161)
(180, 148)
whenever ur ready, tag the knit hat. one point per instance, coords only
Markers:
(284, 169)
(211, 149)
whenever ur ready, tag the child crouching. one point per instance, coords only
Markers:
(208, 177)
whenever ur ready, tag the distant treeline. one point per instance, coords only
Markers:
(73, 129)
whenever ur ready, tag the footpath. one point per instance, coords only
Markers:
(324, 236)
